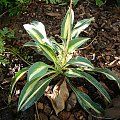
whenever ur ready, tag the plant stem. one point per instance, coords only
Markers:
(18, 56)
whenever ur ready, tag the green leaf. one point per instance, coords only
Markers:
(75, 2)
(76, 43)
(31, 44)
(99, 2)
(18, 75)
(75, 73)
(81, 62)
(48, 52)
(67, 22)
(36, 36)
(109, 74)
(37, 31)
(32, 91)
(38, 69)
(80, 26)
(85, 101)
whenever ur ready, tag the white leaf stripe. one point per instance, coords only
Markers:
(41, 68)
(88, 103)
(75, 43)
(49, 52)
(27, 92)
(85, 100)
(31, 85)
(109, 74)
(18, 75)
(35, 35)
(91, 79)
(80, 61)
(23, 102)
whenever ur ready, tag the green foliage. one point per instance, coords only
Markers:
(40, 74)
(5, 36)
(60, 1)
(99, 2)
(14, 7)
(118, 3)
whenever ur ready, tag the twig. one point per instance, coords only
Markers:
(3, 13)
(88, 44)
(37, 111)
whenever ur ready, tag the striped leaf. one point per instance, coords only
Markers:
(31, 44)
(38, 69)
(67, 23)
(81, 62)
(80, 26)
(109, 74)
(37, 31)
(75, 73)
(32, 92)
(76, 43)
(85, 101)
(18, 75)
(48, 52)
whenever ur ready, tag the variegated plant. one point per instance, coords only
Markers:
(40, 74)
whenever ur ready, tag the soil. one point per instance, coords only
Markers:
(103, 51)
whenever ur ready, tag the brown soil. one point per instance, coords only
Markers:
(103, 51)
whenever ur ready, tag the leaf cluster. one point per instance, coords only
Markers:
(5, 35)
(40, 74)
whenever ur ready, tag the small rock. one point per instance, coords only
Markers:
(107, 58)
(71, 102)
(80, 115)
(116, 102)
(53, 117)
(43, 116)
(95, 25)
(47, 109)
(64, 115)
(40, 106)
(71, 117)
(113, 113)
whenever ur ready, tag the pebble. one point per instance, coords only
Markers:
(43, 116)
(40, 106)
(53, 117)
(64, 115)
(71, 117)
(47, 109)
(71, 102)
(107, 58)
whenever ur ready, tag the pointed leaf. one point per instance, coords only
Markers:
(80, 26)
(38, 69)
(18, 75)
(67, 22)
(37, 31)
(81, 62)
(31, 44)
(32, 91)
(109, 74)
(76, 43)
(74, 72)
(48, 52)
(85, 101)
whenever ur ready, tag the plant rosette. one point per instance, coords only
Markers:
(40, 74)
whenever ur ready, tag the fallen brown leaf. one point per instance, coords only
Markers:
(113, 113)
(59, 96)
